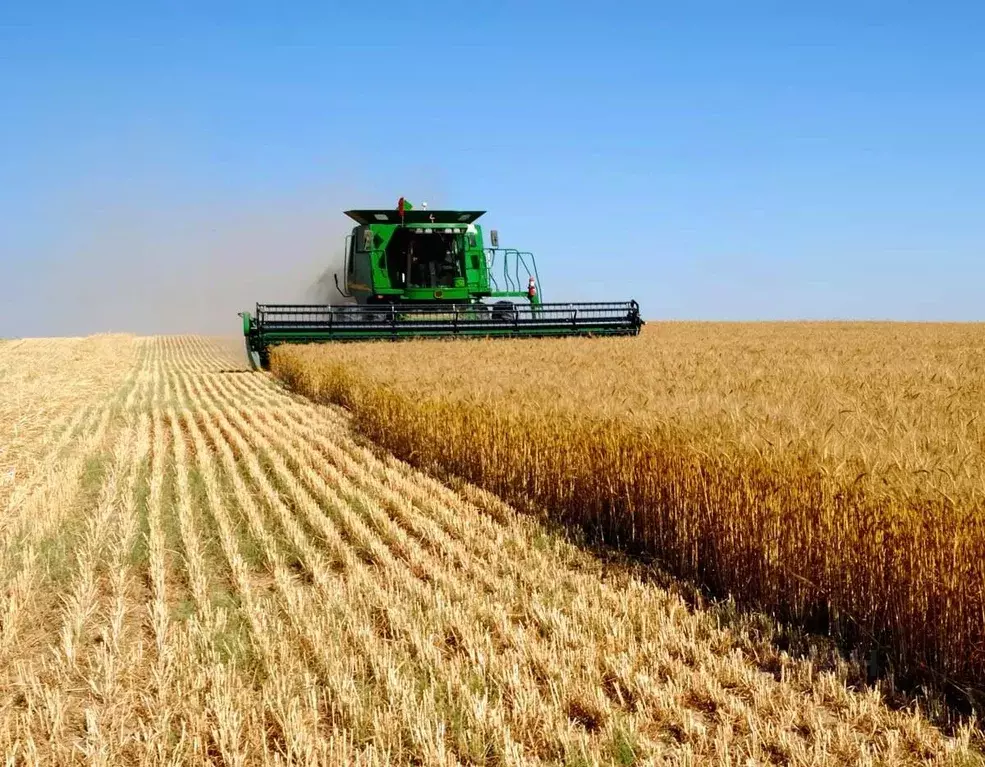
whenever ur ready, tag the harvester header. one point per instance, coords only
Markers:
(417, 273)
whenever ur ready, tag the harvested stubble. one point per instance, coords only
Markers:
(32, 421)
(832, 474)
(210, 570)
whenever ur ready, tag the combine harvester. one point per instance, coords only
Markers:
(428, 274)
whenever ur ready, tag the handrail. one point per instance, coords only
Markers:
(512, 260)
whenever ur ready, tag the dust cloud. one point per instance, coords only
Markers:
(190, 268)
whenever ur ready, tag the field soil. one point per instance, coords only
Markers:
(200, 567)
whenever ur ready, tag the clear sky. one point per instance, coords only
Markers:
(164, 167)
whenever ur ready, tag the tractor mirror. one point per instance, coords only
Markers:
(494, 238)
(368, 240)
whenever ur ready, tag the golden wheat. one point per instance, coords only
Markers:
(833, 474)
(200, 567)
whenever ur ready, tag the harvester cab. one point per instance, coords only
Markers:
(414, 257)
(418, 273)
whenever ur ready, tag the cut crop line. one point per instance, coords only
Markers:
(215, 357)
(502, 546)
(266, 628)
(174, 725)
(207, 356)
(403, 576)
(232, 737)
(327, 481)
(83, 605)
(400, 510)
(189, 537)
(119, 658)
(156, 560)
(83, 601)
(213, 715)
(523, 642)
(379, 656)
(415, 508)
(194, 360)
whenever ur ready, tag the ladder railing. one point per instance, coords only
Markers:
(509, 262)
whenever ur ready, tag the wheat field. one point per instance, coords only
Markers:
(830, 474)
(201, 567)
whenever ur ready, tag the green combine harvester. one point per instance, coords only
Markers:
(428, 274)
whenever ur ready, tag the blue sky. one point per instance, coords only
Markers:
(163, 168)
